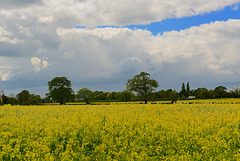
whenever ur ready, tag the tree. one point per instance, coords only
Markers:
(210, 93)
(96, 95)
(152, 96)
(60, 90)
(47, 99)
(174, 96)
(102, 96)
(235, 93)
(126, 95)
(167, 93)
(202, 93)
(113, 95)
(220, 92)
(183, 92)
(23, 97)
(237, 89)
(143, 85)
(188, 89)
(160, 94)
(12, 99)
(35, 99)
(4, 99)
(85, 94)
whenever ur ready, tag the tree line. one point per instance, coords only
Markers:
(139, 88)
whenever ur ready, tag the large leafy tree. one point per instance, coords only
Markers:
(60, 90)
(4, 99)
(174, 96)
(85, 94)
(23, 97)
(35, 99)
(220, 92)
(143, 85)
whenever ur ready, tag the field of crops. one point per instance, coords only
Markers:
(120, 132)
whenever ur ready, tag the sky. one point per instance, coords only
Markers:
(100, 44)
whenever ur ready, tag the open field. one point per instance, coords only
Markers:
(121, 132)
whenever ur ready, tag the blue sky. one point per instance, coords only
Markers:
(177, 24)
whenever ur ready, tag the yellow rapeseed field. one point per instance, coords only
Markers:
(120, 132)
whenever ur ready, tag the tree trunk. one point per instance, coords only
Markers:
(87, 102)
(145, 101)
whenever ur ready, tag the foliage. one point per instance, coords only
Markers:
(12, 100)
(85, 94)
(4, 99)
(188, 89)
(113, 95)
(202, 93)
(183, 92)
(23, 97)
(120, 132)
(142, 84)
(174, 96)
(126, 95)
(35, 99)
(167, 93)
(220, 92)
(160, 94)
(60, 89)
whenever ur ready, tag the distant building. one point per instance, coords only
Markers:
(191, 97)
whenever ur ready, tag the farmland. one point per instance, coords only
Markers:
(121, 131)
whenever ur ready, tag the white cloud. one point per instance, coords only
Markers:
(115, 54)
(44, 64)
(46, 19)
(4, 32)
(38, 64)
(215, 46)
(5, 72)
(124, 12)
(92, 13)
(6, 36)
(24, 30)
(4, 76)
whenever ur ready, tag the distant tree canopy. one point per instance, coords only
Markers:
(60, 90)
(188, 89)
(126, 95)
(174, 96)
(140, 87)
(4, 99)
(142, 84)
(23, 97)
(202, 93)
(183, 92)
(85, 94)
(220, 92)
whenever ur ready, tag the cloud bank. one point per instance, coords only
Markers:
(38, 33)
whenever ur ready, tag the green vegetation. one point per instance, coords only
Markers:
(140, 88)
(85, 94)
(60, 90)
(143, 85)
